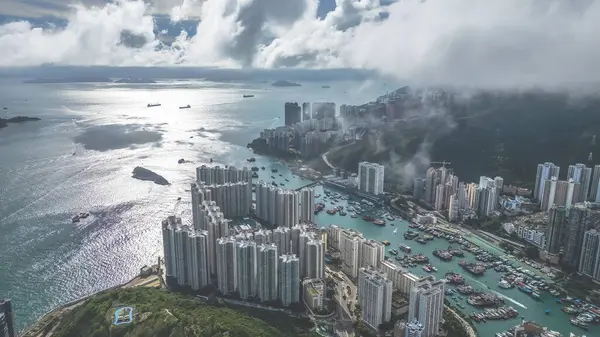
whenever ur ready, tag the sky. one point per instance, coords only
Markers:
(493, 43)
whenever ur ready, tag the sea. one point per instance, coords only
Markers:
(79, 157)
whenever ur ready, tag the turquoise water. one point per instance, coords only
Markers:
(527, 306)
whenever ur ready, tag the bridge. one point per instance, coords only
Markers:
(314, 183)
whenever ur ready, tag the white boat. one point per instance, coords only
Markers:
(395, 230)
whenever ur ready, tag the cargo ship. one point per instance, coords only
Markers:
(248, 96)
(151, 105)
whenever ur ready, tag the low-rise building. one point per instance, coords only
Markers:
(314, 293)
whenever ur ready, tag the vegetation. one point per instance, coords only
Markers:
(453, 326)
(162, 313)
(505, 134)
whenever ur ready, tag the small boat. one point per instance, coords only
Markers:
(151, 105)
(248, 96)
(405, 248)
(262, 167)
(251, 160)
(185, 107)
(395, 230)
(178, 198)
(547, 312)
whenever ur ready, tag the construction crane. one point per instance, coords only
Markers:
(443, 163)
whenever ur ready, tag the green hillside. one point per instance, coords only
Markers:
(160, 313)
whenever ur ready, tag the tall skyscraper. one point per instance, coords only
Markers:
(371, 253)
(227, 279)
(314, 259)
(9, 319)
(462, 195)
(439, 197)
(430, 185)
(307, 205)
(582, 216)
(426, 305)
(594, 195)
(267, 270)
(246, 269)
(350, 243)
(293, 113)
(556, 227)
(544, 172)
(590, 255)
(374, 296)
(583, 175)
(197, 264)
(306, 111)
(370, 177)
(282, 239)
(289, 279)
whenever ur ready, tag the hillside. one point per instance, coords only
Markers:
(160, 313)
(504, 134)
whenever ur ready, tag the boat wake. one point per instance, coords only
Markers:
(497, 293)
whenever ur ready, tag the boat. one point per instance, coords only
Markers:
(75, 218)
(579, 323)
(395, 230)
(331, 211)
(547, 312)
(368, 218)
(442, 254)
(254, 175)
(393, 251)
(342, 213)
(535, 295)
(504, 284)
(185, 107)
(427, 268)
(354, 215)
(273, 170)
(409, 235)
(405, 248)
(251, 160)
(525, 289)
(151, 105)
(248, 96)
(262, 167)
(379, 222)
(390, 218)
(421, 240)
(385, 242)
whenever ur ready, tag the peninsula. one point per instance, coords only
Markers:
(15, 120)
(284, 83)
(142, 173)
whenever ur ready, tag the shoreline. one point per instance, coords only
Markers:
(50, 320)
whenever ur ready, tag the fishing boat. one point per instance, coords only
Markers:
(393, 251)
(504, 284)
(535, 295)
(379, 222)
(405, 248)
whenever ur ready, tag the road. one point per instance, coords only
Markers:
(470, 331)
(324, 156)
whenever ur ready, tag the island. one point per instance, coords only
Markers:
(145, 174)
(135, 80)
(15, 120)
(284, 83)
(73, 79)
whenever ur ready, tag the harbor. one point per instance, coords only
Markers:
(451, 260)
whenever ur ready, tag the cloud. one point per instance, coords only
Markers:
(495, 43)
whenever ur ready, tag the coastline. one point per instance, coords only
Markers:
(44, 325)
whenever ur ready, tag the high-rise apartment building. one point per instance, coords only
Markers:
(267, 272)
(582, 217)
(246, 269)
(374, 296)
(556, 228)
(583, 175)
(439, 197)
(7, 316)
(293, 113)
(544, 172)
(263, 236)
(307, 205)
(453, 210)
(197, 261)
(227, 278)
(350, 244)
(426, 305)
(306, 111)
(370, 177)
(323, 110)
(314, 259)
(289, 279)
(282, 239)
(281, 207)
(371, 253)
(594, 194)
(590, 255)
(333, 236)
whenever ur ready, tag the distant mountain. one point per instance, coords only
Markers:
(77, 79)
(284, 83)
(487, 133)
(135, 80)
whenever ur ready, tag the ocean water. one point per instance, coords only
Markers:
(79, 158)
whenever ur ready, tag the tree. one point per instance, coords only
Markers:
(532, 252)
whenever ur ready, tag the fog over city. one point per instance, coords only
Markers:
(494, 43)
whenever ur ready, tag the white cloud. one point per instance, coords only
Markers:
(466, 42)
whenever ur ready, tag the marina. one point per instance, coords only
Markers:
(463, 283)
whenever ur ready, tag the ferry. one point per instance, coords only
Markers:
(151, 105)
(185, 107)
(405, 248)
